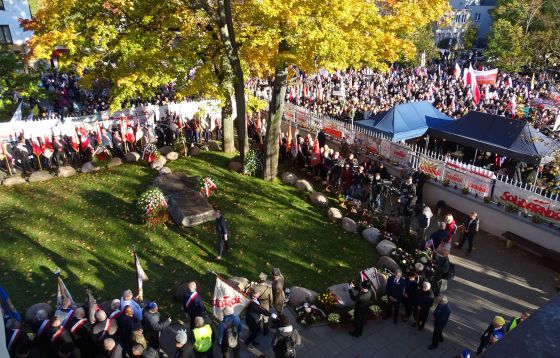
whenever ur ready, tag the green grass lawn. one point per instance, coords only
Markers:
(86, 225)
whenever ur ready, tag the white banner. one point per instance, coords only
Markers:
(431, 166)
(479, 181)
(533, 203)
(301, 117)
(289, 113)
(400, 154)
(227, 296)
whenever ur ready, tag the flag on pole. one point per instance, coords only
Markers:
(316, 154)
(226, 295)
(17, 116)
(457, 71)
(7, 307)
(471, 78)
(48, 149)
(98, 131)
(84, 141)
(37, 150)
(509, 83)
(91, 305)
(140, 277)
(139, 133)
(62, 292)
(290, 136)
(533, 82)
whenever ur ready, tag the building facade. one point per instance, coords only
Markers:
(10, 13)
(464, 14)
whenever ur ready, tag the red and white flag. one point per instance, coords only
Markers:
(140, 277)
(98, 131)
(509, 83)
(62, 292)
(471, 79)
(226, 295)
(457, 71)
(316, 154)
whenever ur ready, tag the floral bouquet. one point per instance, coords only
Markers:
(327, 300)
(151, 153)
(153, 205)
(181, 145)
(207, 186)
(101, 155)
(309, 314)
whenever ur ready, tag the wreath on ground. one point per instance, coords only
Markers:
(207, 187)
(151, 153)
(101, 156)
(181, 145)
(153, 206)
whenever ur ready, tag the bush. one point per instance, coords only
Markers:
(254, 162)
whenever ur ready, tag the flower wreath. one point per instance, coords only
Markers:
(151, 153)
(101, 154)
(207, 186)
(153, 205)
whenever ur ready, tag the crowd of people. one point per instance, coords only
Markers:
(361, 93)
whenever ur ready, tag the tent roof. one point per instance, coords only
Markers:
(512, 138)
(406, 121)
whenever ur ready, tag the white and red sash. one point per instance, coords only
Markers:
(57, 333)
(77, 325)
(106, 329)
(190, 300)
(116, 314)
(65, 321)
(42, 328)
(15, 336)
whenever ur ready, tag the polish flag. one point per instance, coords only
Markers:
(509, 83)
(457, 71)
(471, 79)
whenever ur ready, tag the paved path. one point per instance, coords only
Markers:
(493, 280)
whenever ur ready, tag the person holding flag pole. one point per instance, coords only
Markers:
(4, 155)
(140, 276)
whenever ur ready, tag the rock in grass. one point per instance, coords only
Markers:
(172, 156)
(289, 178)
(388, 263)
(89, 167)
(158, 163)
(214, 146)
(114, 162)
(300, 295)
(319, 199)
(385, 247)
(13, 180)
(372, 235)
(194, 151)
(40, 176)
(304, 185)
(132, 157)
(66, 171)
(349, 225)
(165, 150)
(235, 167)
(165, 170)
(334, 214)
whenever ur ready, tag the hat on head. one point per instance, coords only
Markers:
(262, 276)
(275, 271)
(181, 336)
(126, 293)
(151, 305)
(499, 320)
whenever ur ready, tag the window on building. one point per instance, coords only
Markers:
(457, 18)
(477, 17)
(463, 18)
(5, 35)
(2, 5)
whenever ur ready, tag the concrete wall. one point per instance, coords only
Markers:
(493, 219)
(14, 10)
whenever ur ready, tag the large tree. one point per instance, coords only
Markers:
(329, 34)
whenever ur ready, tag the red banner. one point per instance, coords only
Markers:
(335, 133)
(486, 77)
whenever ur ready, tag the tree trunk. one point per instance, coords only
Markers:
(274, 120)
(227, 124)
(227, 35)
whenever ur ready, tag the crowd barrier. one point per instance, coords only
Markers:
(143, 115)
(482, 184)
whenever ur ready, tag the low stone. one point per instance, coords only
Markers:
(235, 167)
(165, 171)
(385, 247)
(387, 263)
(194, 151)
(114, 162)
(66, 171)
(214, 146)
(334, 214)
(204, 148)
(158, 163)
(241, 283)
(89, 167)
(189, 208)
(176, 182)
(304, 185)
(300, 295)
(319, 199)
(172, 156)
(341, 292)
(349, 225)
(165, 150)
(132, 157)
(40, 176)
(31, 312)
(289, 178)
(372, 235)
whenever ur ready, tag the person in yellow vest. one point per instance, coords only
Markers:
(516, 321)
(203, 339)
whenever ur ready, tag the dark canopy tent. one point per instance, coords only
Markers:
(512, 138)
(406, 121)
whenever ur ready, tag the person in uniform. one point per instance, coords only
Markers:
(80, 329)
(21, 155)
(278, 295)
(264, 291)
(362, 297)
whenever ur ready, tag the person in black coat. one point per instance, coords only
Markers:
(441, 317)
(471, 230)
(362, 298)
(322, 138)
(254, 317)
(152, 325)
(221, 234)
(395, 288)
(127, 327)
(424, 304)
(411, 293)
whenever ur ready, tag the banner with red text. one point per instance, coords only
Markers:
(431, 166)
(486, 77)
(227, 296)
(301, 117)
(534, 204)
(289, 113)
(400, 154)
(479, 181)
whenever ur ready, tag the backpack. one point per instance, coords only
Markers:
(232, 337)
(286, 347)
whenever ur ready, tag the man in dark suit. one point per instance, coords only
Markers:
(470, 232)
(425, 302)
(411, 293)
(362, 298)
(396, 285)
(221, 234)
(441, 316)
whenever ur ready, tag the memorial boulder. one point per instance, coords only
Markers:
(172, 156)
(132, 157)
(385, 247)
(289, 178)
(40, 176)
(66, 171)
(304, 185)
(165, 150)
(319, 199)
(300, 295)
(114, 162)
(334, 214)
(349, 225)
(89, 167)
(371, 235)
